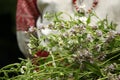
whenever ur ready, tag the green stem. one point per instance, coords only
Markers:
(53, 62)
(104, 78)
(115, 51)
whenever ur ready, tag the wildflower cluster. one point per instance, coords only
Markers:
(73, 50)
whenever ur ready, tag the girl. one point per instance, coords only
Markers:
(30, 13)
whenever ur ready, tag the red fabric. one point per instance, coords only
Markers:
(42, 54)
(26, 14)
(74, 1)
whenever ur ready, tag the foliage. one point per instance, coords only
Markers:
(78, 51)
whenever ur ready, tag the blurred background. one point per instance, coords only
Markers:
(9, 51)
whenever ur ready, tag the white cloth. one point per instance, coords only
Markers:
(108, 8)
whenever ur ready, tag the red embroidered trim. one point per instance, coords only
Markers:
(26, 14)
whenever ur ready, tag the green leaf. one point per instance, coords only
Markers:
(93, 67)
(89, 19)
